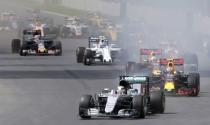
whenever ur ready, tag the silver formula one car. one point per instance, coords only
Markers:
(133, 98)
(73, 28)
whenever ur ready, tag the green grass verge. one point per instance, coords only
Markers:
(53, 8)
(65, 10)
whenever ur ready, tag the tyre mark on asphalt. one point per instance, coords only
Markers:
(205, 73)
(65, 74)
(81, 81)
(60, 74)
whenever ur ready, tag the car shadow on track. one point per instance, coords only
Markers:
(204, 94)
(148, 117)
(205, 73)
(201, 94)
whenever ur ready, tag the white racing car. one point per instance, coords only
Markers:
(99, 50)
(133, 98)
(73, 28)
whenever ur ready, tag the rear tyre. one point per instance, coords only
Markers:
(157, 101)
(194, 83)
(80, 54)
(198, 84)
(64, 32)
(59, 47)
(15, 45)
(86, 102)
(130, 68)
(139, 105)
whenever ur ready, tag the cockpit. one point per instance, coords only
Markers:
(103, 43)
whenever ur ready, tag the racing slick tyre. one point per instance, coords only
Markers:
(88, 56)
(198, 83)
(102, 58)
(64, 32)
(140, 106)
(16, 45)
(194, 83)
(55, 31)
(59, 47)
(157, 102)
(130, 67)
(86, 102)
(192, 58)
(80, 54)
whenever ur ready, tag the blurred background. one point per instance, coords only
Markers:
(183, 23)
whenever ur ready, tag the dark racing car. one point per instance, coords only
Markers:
(176, 81)
(149, 58)
(34, 43)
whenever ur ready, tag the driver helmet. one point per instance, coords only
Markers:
(152, 56)
(106, 90)
(102, 40)
(37, 38)
(37, 35)
(120, 90)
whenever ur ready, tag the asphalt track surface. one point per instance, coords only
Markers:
(45, 90)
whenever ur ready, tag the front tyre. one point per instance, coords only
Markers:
(80, 54)
(194, 83)
(157, 101)
(86, 102)
(139, 105)
(16, 45)
(59, 48)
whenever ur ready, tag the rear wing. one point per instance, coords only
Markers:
(96, 40)
(92, 40)
(134, 79)
(174, 61)
(149, 51)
